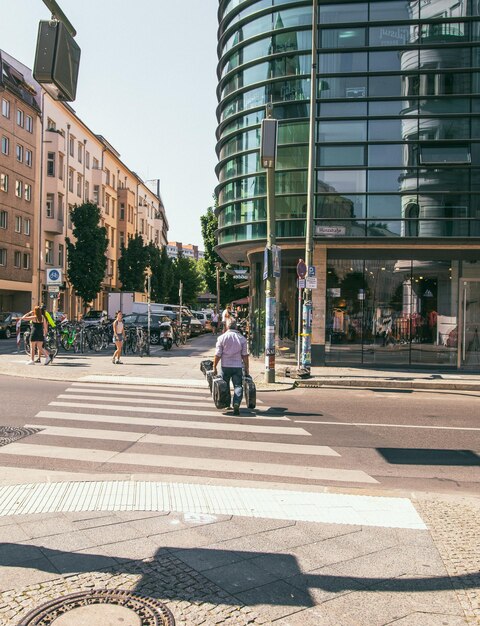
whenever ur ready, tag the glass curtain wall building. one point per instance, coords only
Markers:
(397, 199)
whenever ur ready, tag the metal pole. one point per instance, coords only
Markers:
(299, 326)
(60, 15)
(307, 306)
(217, 267)
(270, 284)
(149, 307)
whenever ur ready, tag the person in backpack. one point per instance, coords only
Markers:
(232, 353)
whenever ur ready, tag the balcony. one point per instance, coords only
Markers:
(99, 177)
(53, 225)
(54, 141)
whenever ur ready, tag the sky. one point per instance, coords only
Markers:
(147, 83)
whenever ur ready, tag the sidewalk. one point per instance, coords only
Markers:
(226, 552)
(167, 367)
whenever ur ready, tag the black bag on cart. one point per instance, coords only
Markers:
(206, 366)
(220, 392)
(249, 392)
(210, 376)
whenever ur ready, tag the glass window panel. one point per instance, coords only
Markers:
(341, 155)
(286, 111)
(392, 107)
(385, 206)
(451, 179)
(350, 130)
(343, 87)
(291, 182)
(290, 206)
(391, 155)
(445, 105)
(390, 10)
(437, 58)
(444, 154)
(342, 62)
(340, 13)
(293, 132)
(442, 32)
(383, 228)
(384, 180)
(390, 35)
(385, 129)
(385, 61)
(343, 181)
(343, 109)
(292, 157)
(343, 37)
(340, 206)
(381, 86)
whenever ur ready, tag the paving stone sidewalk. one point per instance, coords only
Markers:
(239, 572)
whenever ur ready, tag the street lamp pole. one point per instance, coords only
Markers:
(307, 315)
(149, 305)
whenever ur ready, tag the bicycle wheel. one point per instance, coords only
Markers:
(51, 345)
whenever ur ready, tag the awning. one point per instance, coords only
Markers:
(245, 300)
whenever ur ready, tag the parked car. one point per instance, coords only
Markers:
(204, 319)
(141, 319)
(8, 323)
(94, 317)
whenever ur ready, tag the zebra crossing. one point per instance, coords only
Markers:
(134, 428)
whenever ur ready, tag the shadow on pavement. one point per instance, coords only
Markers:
(419, 456)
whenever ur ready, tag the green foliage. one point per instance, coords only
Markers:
(132, 264)
(86, 257)
(186, 270)
(209, 222)
(162, 273)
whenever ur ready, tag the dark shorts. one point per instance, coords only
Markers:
(214, 324)
(118, 337)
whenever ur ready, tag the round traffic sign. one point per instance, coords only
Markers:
(53, 274)
(301, 268)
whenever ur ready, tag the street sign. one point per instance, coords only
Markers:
(311, 271)
(301, 283)
(53, 295)
(265, 264)
(311, 282)
(301, 269)
(54, 276)
(53, 289)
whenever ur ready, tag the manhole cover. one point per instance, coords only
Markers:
(108, 608)
(9, 434)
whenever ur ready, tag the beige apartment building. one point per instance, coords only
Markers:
(19, 133)
(81, 166)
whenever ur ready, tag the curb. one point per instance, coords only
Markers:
(381, 383)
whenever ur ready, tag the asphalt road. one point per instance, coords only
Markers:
(363, 439)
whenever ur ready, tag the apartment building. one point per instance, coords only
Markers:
(177, 248)
(19, 132)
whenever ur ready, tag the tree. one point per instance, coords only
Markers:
(86, 258)
(185, 270)
(132, 264)
(162, 273)
(228, 292)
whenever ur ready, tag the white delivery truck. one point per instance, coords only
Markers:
(121, 301)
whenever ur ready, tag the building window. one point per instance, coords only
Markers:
(60, 254)
(20, 118)
(18, 224)
(113, 207)
(79, 184)
(60, 166)
(19, 152)
(5, 145)
(122, 211)
(5, 108)
(87, 191)
(26, 261)
(113, 181)
(3, 219)
(70, 179)
(19, 188)
(51, 125)
(28, 192)
(107, 176)
(26, 226)
(51, 164)
(122, 239)
(3, 182)
(48, 252)
(96, 194)
(3, 257)
(107, 204)
(71, 145)
(17, 259)
(60, 207)
(112, 237)
(80, 152)
(29, 123)
(95, 164)
(50, 209)
(87, 159)
(28, 157)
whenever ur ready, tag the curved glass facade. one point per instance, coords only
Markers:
(398, 118)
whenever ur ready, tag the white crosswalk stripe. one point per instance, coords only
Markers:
(152, 427)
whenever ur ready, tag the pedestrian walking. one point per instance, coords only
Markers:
(118, 337)
(214, 322)
(39, 332)
(232, 353)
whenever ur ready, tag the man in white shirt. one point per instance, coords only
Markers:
(232, 352)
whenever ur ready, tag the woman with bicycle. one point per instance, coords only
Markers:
(37, 337)
(118, 336)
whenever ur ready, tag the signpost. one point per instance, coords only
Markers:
(301, 273)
